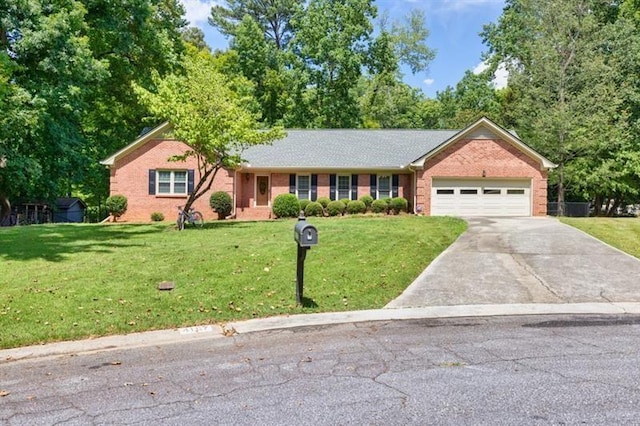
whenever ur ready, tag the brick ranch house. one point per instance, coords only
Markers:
(482, 170)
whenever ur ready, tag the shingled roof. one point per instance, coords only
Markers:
(346, 149)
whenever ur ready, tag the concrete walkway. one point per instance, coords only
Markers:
(523, 261)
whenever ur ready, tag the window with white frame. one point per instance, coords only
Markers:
(343, 187)
(384, 186)
(303, 187)
(172, 182)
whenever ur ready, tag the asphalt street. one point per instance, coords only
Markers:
(482, 371)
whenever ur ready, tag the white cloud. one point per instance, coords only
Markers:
(198, 11)
(480, 67)
(500, 77)
(429, 81)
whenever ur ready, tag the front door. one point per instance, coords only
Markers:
(262, 190)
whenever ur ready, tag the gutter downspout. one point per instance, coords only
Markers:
(235, 192)
(414, 189)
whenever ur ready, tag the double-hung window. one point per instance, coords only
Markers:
(384, 186)
(343, 187)
(303, 187)
(171, 182)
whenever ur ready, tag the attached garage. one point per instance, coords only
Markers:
(480, 197)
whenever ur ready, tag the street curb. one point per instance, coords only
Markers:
(189, 334)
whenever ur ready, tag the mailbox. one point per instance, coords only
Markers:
(305, 234)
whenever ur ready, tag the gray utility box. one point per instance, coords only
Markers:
(305, 234)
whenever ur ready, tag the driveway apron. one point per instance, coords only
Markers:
(524, 260)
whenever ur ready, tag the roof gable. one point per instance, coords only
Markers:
(486, 129)
(140, 141)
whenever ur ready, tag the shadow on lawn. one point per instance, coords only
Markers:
(54, 242)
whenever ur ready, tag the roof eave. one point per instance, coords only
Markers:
(501, 132)
(110, 161)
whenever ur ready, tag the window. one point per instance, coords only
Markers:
(384, 187)
(515, 191)
(444, 192)
(343, 188)
(172, 182)
(468, 192)
(303, 187)
(491, 192)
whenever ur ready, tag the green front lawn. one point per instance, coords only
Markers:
(62, 282)
(622, 233)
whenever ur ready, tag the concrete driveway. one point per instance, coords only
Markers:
(524, 260)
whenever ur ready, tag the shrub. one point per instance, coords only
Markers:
(336, 208)
(314, 209)
(157, 217)
(117, 206)
(221, 202)
(367, 200)
(388, 201)
(324, 201)
(399, 204)
(379, 206)
(286, 205)
(346, 201)
(356, 207)
(304, 204)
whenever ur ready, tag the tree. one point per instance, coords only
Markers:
(564, 101)
(473, 97)
(208, 115)
(66, 68)
(273, 17)
(195, 36)
(331, 39)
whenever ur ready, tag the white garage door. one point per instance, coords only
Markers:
(483, 197)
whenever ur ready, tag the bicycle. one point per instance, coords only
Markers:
(193, 217)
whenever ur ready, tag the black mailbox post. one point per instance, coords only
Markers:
(306, 235)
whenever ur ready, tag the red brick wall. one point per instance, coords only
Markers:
(130, 177)
(469, 158)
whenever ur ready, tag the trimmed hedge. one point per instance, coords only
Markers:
(116, 206)
(379, 206)
(314, 209)
(286, 205)
(304, 204)
(367, 200)
(221, 202)
(399, 205)
(324, 201)
(336, 208)
(356, 207)
(157, 217)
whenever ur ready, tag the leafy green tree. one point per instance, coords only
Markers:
(473, 97)
(273, 17)
(66, 68)
(208, 115)
(331, 39)
(563, 96)
(195, 36)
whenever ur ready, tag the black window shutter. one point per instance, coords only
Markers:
(354, 187)
(373, 182)
(190, 181)
(292, 183)
(332, 187)
(152, 182)
(314, 187)
(394, 185)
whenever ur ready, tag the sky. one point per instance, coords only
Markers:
(454, 27)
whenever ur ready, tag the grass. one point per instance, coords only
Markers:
(63, 282)
(622, 233)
